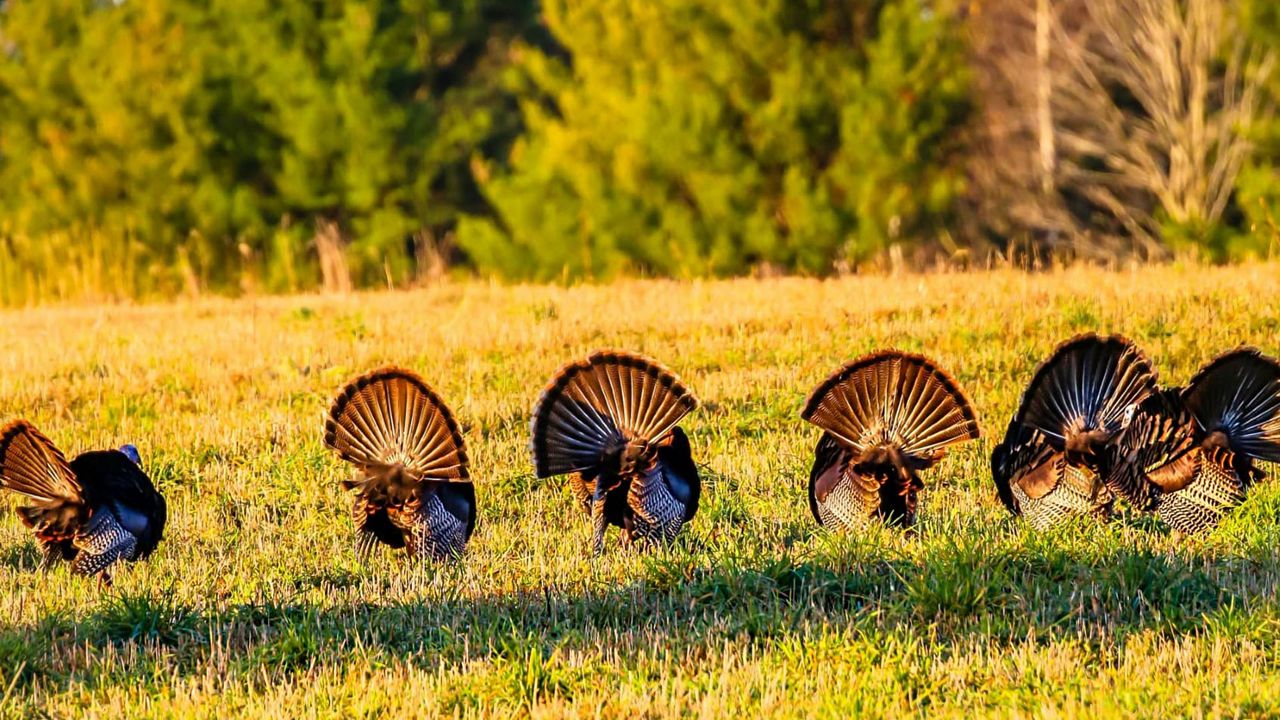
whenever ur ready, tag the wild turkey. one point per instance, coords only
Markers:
(1189, 453)
(94, 511)
(1055, 457)
(885, 417)
(413, 489)
(609, 422)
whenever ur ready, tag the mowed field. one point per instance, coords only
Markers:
(257, 604)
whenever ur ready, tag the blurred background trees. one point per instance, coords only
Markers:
(166, 146)
(695, 137)
(244, 142)
(1127, 125)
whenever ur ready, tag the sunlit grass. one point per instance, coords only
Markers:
(256, 603)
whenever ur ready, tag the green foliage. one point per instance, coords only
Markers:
(1258, 195)
(1258, 187)
(147, 617)
(373, 110)
(202, 140)
(1220, 241)
(153, 147)
(98, 131)
(691, 137)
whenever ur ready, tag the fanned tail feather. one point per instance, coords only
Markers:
(1086, 385)
(389, 422)
(892, 398)
(601, 403)
(1238, 393)
(32, 466)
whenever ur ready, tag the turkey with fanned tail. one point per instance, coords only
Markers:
(610, 423)
(94, 511)
(885, 417)
(413, 488)
(1056, 455)
(1189, 454)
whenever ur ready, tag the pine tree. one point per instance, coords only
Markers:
(177, 143)
(692, 137)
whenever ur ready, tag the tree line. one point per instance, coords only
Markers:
(162, 146)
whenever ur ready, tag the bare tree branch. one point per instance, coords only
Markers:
(1115, 116)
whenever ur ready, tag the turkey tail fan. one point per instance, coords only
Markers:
(1087, 384)
(32, 466)
(1238, 393)
(599, 403)
(892, 398)
(390, 423)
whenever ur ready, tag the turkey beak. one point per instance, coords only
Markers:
(598, 520)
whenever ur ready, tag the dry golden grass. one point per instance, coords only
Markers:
(256, 603)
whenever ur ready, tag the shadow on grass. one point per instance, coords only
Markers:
(682, 602)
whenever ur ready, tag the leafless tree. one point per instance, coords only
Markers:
(1014, 193)
(431, 252)
(331, 251)
(1125, 113)
(1154, 109)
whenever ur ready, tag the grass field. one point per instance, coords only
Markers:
(257, 604)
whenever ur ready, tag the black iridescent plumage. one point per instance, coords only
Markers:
(885, 417)
(94, 511)
(413, 485)
(1055, 457)
(1190, 454)
(610, 423)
